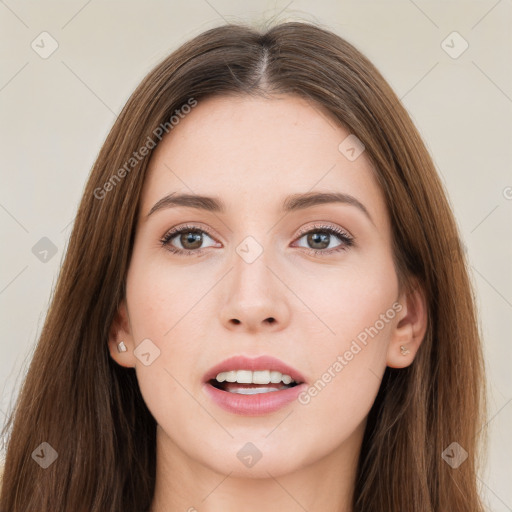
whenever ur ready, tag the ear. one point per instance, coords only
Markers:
(410, 328)
(120, 331)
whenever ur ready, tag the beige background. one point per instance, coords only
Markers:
(56, 112)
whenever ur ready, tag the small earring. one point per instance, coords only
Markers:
(404, 350)
(121, 347)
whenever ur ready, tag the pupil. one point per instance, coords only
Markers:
(189, 237)
(322, 238)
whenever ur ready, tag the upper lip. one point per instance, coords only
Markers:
(264, 362)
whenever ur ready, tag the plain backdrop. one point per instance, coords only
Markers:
(57, 109)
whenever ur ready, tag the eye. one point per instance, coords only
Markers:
(319, 238)
(189, 237)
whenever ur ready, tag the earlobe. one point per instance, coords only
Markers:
(410, 328)
(120, 342)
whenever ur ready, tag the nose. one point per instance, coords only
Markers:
(255, 297)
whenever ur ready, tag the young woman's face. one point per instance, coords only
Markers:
(309, 283)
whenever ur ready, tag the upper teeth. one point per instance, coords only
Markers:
(258, 377)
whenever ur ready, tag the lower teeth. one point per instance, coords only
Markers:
(247, 389)
(253, 391)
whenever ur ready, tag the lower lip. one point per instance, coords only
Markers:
(254, 405)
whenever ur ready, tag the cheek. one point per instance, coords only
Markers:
(165, 305)
(349, 299)
(348, 370)
(350, 356)
(162, 296)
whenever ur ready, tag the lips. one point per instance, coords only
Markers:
(242, 399)
(254, 364)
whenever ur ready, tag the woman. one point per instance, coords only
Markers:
(264, 302)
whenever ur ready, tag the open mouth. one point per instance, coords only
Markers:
(245, 387)
(258, 385)
(250, 389)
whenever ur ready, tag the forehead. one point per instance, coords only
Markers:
(253, 151)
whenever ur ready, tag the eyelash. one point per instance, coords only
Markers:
(348, 241)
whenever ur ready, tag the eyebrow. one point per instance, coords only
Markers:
(294, 202)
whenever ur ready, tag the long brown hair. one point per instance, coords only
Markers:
(90, 409)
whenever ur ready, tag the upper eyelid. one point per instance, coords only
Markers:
(185, 227)
(320, 225)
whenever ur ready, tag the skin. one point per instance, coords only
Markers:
(251, 153)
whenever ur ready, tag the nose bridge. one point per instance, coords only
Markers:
(254, 296)
(252, 262)
(254, 249)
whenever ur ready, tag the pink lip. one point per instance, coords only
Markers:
(253, 405)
